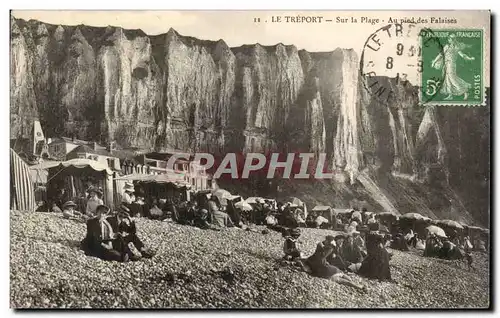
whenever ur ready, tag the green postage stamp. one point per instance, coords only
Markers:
(452, 67)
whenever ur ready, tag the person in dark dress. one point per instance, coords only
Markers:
(201, 219)
(351, 252)
(337, 258)
(376, 263)
(191, 210)
(233, 213)
(100, 240)
(317, 264)
(399, 243)
(126, 231)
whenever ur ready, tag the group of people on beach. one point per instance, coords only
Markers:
(344, 253)
(360, 248)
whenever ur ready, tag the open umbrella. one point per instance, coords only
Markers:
(321, 208)
(356, 215)
(387, 216)
(451, 224)
(243, 205)
(296, 201)
(342, 211)
(478, 229)
(436, 230)
(222, 194)
(253, 200)
(412, 216)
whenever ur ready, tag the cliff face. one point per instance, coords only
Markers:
(176, 92)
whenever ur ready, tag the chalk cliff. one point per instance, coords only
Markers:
(171, 91)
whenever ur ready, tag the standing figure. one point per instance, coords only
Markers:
(453, 85)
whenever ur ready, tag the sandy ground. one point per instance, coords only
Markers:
(211, 269)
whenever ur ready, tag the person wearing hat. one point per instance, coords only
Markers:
(100, 240)
(358, 240)
(129, 199)
(351, 252)
(126, 230)
(290, 247)
(93, 202)
(376, 263)
(221, 219)
(318, 261)
(201, 219)
(213, 207)
(155, 212)
(69, 210)
(337, 258)
(128, 196)
(320, 267)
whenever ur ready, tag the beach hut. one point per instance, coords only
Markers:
(166, 185)
(22, 195)
(76, 175)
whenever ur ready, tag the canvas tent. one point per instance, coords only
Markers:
(75, 175)
(21, 185)
(160, 185)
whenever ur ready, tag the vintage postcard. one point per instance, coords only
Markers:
(250, 159)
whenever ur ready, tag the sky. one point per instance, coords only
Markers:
(239, 27)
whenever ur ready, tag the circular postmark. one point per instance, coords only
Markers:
(397, 55)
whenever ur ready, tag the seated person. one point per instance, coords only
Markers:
(221, 219)
(139, 201)
(399, 243)
(69, 210)
(413, 240)
(233, 212)
(321, 222)
(420, 245)
(450, 251)
(356, 217)
(213, 205)
(290, 246)
(201, 219)
(481, 245)
(126, 231)
(337, 258)
(271, 220)
(351, 252)
(359, 241)
(93, 202)
(318, 266)
(376, 263)
(191, 209)
(55, 208)
(100, 240)
(310, 219)
(299, 217)
(432, 246)
(155, 212)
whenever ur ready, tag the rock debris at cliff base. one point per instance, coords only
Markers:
(210, 269)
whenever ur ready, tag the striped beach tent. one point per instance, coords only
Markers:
(22, 195)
